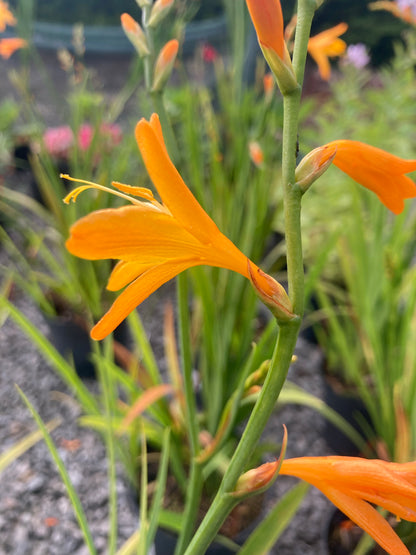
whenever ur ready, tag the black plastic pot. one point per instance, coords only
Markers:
(165, 543)
(348, 405)
(73, 342)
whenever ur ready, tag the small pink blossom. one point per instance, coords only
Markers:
(209, 53)
(58, 140)
(110, 133)
(85, 135)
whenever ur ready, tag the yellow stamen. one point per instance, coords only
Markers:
(73, 195)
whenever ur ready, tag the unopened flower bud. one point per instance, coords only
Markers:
(164, 64)
(268, 85)
(143, 3)
(259, 479)
(272, 293)
(256, 153)
(313, 165)
(267, 19)
(258, 376)
(135, 34)
(159, 10)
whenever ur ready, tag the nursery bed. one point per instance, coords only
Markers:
(35, 514)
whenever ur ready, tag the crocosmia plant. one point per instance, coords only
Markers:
(231, 334)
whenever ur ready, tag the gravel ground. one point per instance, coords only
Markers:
(35, 514)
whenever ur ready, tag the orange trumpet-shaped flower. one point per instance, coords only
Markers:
(327, 45)
(354, 485)
(9, 46)
(164, 64)
(6, 16)
(155, 241)
(267, 19)
(377, 170)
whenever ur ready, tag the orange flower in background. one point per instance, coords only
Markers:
(403, 9)
(327, 45)
(6, 16)
(354, 485)
(164, 64)
(256, 153)
(9, 46)
(377, 170)
(155, 241)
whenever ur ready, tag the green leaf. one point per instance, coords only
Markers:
(268, 532)
(24, 444)
(72, 494)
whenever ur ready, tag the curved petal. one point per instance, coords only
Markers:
(322, 62)
(131, 233)
(170, 185)
(377, 170)
(125, 272)
(137, 292)
(367, 518)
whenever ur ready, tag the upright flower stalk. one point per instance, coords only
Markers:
(288, 333)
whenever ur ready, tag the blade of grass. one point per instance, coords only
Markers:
(64, 369)
(268, 532)
(160, 489)
(25, 444)
(72, 494)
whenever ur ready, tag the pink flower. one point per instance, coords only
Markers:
(58, 140)
(109, 133)
(85, 135)
(209, 54)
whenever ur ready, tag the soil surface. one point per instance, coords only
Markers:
(36, 517)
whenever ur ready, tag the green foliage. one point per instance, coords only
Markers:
(368, 291)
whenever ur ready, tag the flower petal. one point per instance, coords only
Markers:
(367, 518)
(377, 170)
(131, 233)
(137, 292)
(125, 272)
(170, 185)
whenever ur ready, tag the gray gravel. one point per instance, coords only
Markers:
(35, 514)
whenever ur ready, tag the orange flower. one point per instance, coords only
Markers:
(155, 241)
(377, 170)
(267, 19)
(256, 153)
(327, 45)
(6, 16)
(164, 64)
(400, 10)
(354, 485)
(9, 46)
(135, 34)
(268, 85)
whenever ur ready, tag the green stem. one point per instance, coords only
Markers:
(195, 485)
(148, 61)
(168, 135)
(185, 344)
(286, 342)
(292, 193)
(263, 408)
